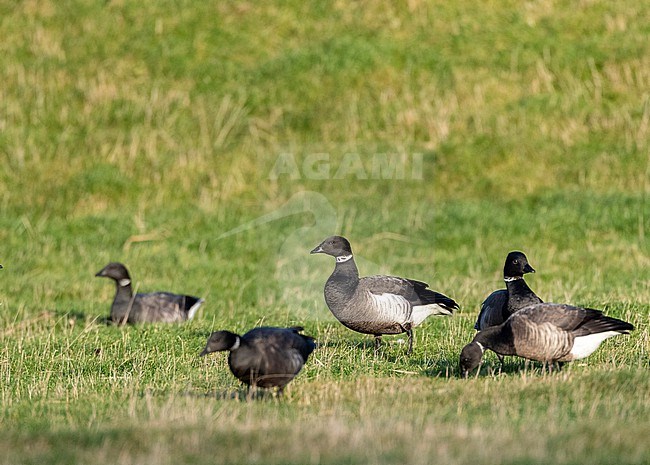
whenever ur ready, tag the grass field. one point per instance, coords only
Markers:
(211, 145)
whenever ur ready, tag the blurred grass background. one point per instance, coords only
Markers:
(145, 131)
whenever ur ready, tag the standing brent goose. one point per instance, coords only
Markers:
(544, 332)
(499, 305)
(265, 357)
(377, 304)
(146, 308)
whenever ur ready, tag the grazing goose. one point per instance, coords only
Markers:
(499, 305)
(377, 304)
(265, 357)
(146, 308)
(544, 332)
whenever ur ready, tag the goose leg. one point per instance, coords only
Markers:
(409, 333)
(555, 366)
(551, 367)
(502, 361)
(377, 343)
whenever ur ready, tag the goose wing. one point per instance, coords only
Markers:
(491, 313)
(414, 292)
(577, 320)
(281, 350)
(165, 306)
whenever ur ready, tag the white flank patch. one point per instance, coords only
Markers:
(421, 312)
(584, 346)
(391, 306)
(124, 282)
(194, 308)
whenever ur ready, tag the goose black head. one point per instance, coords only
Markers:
(220, 341)
(116, 271)
(336, 246)
(516, 265)
(470, 358)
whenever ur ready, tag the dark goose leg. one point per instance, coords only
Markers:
(409, 333)
(377, 343)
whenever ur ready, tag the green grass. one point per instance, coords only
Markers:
(145, 131)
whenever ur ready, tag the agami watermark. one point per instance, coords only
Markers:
(322, 165)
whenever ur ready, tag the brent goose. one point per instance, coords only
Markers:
(146, 308)
(377, 304)
(499, 305)
(266, 357)
(544, 332)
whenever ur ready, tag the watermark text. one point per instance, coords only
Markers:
(321, 165)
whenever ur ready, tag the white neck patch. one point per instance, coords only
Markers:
(481, 346)
(343, 258)
(235, 345)
(124, 282)
(512, 278)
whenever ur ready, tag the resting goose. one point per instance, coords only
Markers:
(499, 305)
(266, 357)
(544, 332)
(146, 308)
(377, 305)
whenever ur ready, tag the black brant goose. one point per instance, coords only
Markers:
(499, 305)
(266, 357)
(544, 332)
(377, 304)
(146, 308)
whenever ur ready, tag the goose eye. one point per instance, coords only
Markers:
(515, 261)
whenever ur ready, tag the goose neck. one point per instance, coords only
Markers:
(346, 266)
(496, 338)
(517, 286)
(123, 290)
